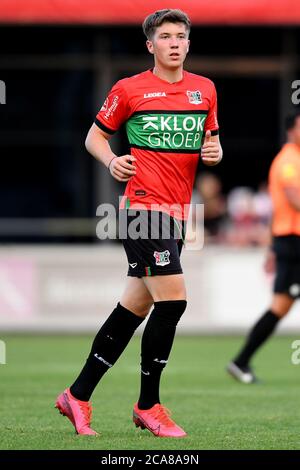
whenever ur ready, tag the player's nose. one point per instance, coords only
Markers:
(174, 42)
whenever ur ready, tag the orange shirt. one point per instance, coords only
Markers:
(284, 173)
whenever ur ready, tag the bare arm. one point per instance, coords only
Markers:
(270, 258)
(97, 144)
(293, 197)
(211, 151)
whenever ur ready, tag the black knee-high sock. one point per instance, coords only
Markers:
(257, 336)
(108, 345)
(157, 343)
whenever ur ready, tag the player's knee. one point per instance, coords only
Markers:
(281, 305)
(170, 311)
(280, 313)
(141, 309)
(178, 292)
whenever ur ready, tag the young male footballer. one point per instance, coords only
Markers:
(171, 118)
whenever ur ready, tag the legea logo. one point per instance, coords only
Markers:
(2, 92)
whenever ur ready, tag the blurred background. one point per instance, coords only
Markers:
(58, 59)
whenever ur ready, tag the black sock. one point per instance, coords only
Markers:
(157, 343)
(108, 345)
(259, 333)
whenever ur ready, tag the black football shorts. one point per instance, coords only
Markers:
(152, 241)
(287, 279)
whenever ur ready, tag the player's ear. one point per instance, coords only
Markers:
(188, 46)
(149, 45)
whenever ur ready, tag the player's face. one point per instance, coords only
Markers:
(170, 45)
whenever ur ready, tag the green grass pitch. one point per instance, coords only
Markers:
(215, 411)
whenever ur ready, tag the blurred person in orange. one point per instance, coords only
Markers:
(171, 117)
(284, 255)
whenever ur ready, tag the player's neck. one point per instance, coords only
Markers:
(293, 141)
(171, 76)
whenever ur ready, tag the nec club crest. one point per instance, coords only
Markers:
(162, 257)
(194, 97)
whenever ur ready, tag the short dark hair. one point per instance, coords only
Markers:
(290, 120)
(159, 17)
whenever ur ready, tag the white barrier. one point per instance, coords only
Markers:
(71, 288)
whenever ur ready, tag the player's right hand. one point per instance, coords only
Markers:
(122, 168)
(270, 262)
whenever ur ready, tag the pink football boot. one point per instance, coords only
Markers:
(79, 412)
(157, 420)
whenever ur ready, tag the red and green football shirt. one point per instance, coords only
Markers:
(165, 123)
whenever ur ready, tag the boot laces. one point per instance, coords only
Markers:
(162, 414)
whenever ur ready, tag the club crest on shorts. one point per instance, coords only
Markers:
(194, 97)
(162, 257)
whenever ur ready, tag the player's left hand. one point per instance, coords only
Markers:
(211, 152)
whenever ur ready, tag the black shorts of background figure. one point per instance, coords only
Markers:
(287, 279)
(152, 241)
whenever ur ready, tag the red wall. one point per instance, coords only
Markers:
(114, 12)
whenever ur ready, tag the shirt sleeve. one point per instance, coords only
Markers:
(114, 111)
(289, 174)
(211, 123)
